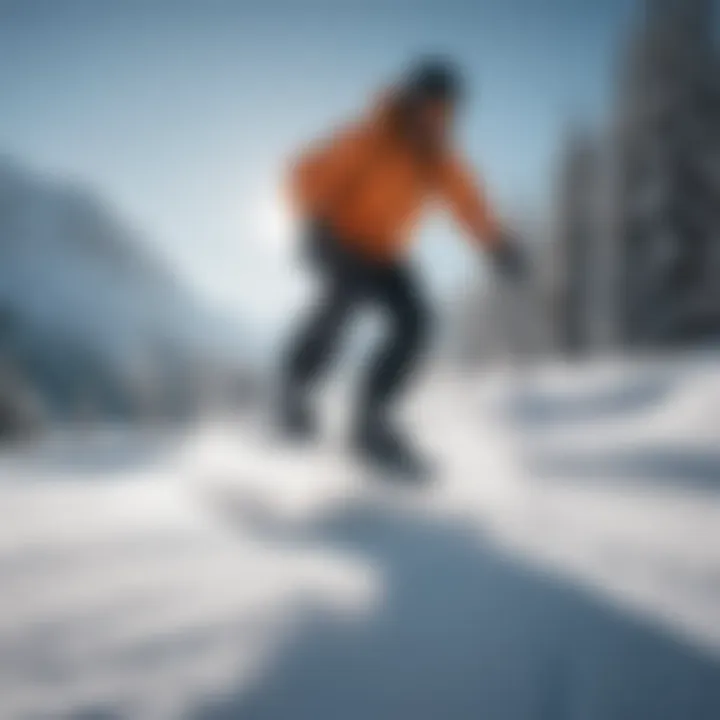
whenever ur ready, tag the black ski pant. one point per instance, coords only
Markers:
(350, 282)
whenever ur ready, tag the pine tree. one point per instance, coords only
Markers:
(577, 236)
(669, 180)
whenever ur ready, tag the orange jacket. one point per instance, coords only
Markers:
(370, 188)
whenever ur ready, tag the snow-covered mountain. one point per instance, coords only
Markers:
(84, 303)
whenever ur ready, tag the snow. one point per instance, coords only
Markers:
(566, 565)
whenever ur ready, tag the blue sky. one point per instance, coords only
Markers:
(182, 114)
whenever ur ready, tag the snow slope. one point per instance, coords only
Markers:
(567, 565)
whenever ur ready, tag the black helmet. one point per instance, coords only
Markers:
(435, 79)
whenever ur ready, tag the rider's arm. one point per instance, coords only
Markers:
(467, 200)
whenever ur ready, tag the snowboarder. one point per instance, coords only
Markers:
(358, 195)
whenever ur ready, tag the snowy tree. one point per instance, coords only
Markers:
(21, 412)
(669, 184)
(577, 236)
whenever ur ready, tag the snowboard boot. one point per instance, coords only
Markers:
(382, 447)
(296, 420)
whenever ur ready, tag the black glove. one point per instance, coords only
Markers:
(509, 260)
